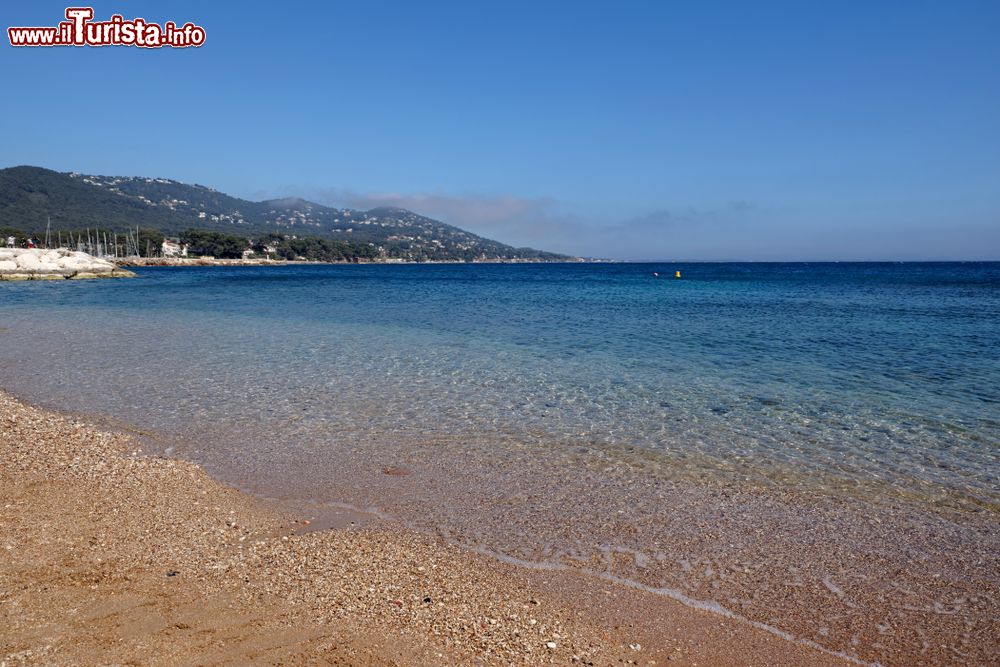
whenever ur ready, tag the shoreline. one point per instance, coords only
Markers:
(212, 261)
(95, 525)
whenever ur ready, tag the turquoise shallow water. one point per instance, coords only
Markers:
(503, 387)
(859, 371)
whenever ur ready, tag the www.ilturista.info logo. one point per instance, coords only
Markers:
(81, 30)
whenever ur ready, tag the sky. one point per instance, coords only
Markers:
(629, 130)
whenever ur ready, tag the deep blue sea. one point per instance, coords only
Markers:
(564, 412)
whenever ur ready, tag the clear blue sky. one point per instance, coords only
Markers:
(661, 130)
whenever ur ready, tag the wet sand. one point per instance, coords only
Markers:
(109, 556)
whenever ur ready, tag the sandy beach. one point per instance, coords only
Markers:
(109, 556)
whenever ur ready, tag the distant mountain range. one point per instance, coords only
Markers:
(31, 196)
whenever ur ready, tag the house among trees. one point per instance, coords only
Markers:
(173, 249)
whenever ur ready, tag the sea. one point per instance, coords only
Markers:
(813, 447)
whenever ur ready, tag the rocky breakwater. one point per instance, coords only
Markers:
(59, 264)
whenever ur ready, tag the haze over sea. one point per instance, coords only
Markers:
(810, 446)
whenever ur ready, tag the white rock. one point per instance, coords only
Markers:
(69, 263)
(59, 262)
(28, 261)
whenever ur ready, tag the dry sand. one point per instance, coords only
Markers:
(108, 556)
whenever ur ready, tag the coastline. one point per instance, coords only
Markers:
(133, 262)
(110, 555)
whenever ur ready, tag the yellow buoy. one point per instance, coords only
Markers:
(677, 274)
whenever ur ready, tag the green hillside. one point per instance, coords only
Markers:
(30, 197)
